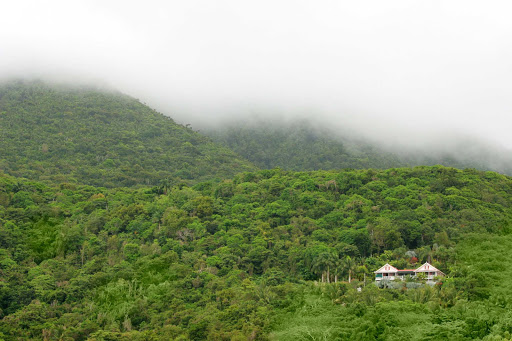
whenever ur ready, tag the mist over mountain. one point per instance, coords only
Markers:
(309, 144)
(269, 176)
(396, 71)
(101, 137)
(299, 146)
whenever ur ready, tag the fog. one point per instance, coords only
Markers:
(401, 73)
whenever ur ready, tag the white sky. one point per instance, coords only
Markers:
(406, 71)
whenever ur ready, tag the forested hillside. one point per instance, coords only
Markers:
(243, 259)
(299, 146)
(304, 146)
(102, 138)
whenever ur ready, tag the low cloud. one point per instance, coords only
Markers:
(398, 72)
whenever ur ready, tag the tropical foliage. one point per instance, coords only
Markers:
(303, 146)
(300, 146)
(268, 254)
(102, 138)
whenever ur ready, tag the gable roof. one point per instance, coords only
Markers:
(386, 268)
(427, 267)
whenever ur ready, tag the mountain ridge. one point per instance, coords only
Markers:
(102, 138)
(304, 145)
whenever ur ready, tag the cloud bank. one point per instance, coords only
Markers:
(399, 71)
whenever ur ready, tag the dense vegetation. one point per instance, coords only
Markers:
(115, 237)
(473, 304)
(243, 259)
(302, 146)
(299, 146)
(102, 138)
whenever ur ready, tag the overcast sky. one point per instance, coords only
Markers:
(401, 70)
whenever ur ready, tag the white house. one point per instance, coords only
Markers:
(389, 272)
(430, 271)
(386, 272)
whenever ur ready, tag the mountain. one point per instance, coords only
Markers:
(101, 137)
(299, 146)
(268, 254)
(251, 258)
(302, 145)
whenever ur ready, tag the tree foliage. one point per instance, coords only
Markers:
(102, 138)
(301, 145)
(240, 258)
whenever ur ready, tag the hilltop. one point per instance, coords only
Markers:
(101, 137)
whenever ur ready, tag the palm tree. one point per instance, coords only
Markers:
(339, 267)
(349, 265)
(165, 185)
(425, 254)
(362, 270)
(324, 262)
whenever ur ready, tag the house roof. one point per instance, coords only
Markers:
(386, 268)
(427, 267)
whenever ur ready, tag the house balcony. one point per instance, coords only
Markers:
(380, 277)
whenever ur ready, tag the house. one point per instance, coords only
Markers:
(389, 272)
(386, 272)
(430, 271)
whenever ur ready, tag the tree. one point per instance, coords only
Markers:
(338, 269)
(323, 263)
(349, 265)
(361, 272)
(165, 185)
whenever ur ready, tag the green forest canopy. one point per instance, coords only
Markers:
(101, 138)
(238, 259)
(302, 145)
